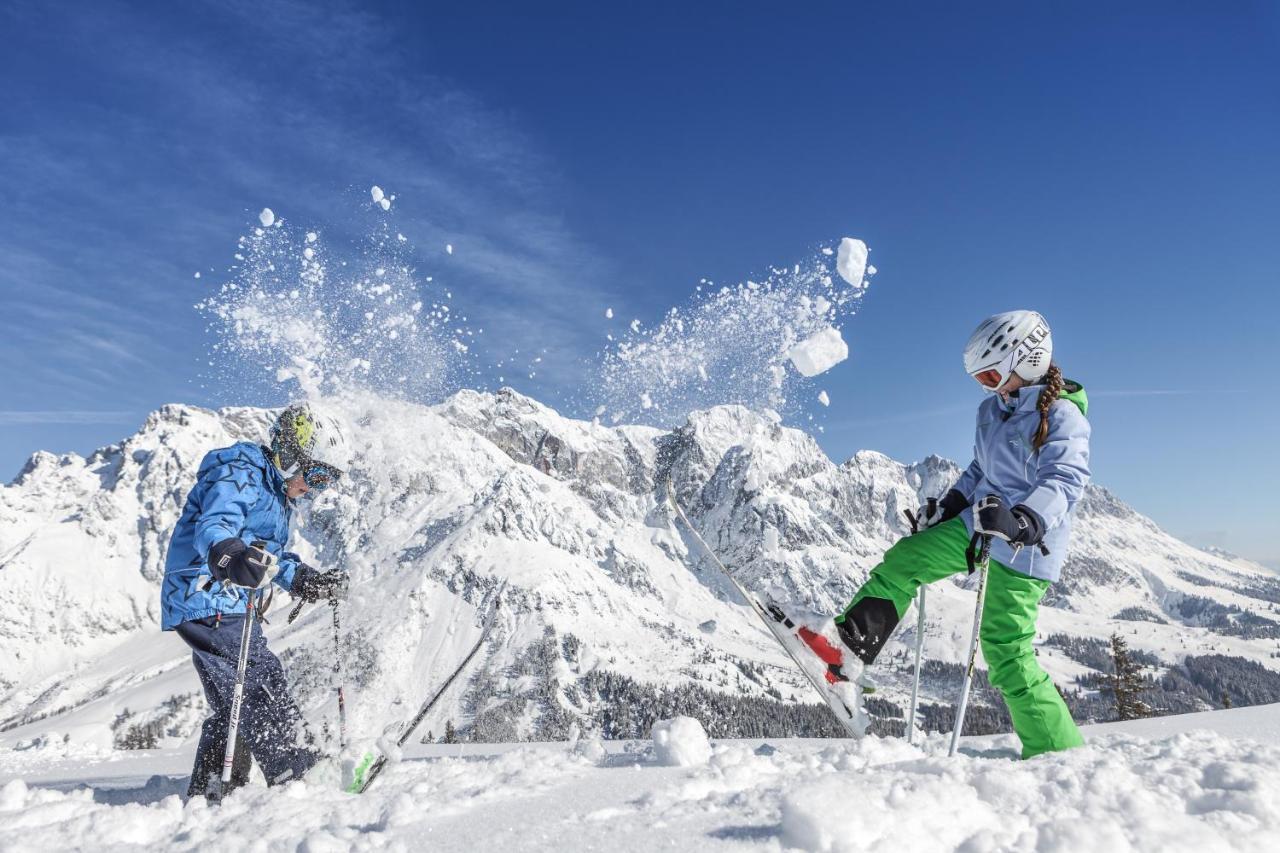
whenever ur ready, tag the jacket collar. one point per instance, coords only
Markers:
(1028, 397)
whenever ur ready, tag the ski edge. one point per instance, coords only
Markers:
(362, 782)
(847, 717)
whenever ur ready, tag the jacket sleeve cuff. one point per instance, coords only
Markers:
(289, 566)
(1035, 524)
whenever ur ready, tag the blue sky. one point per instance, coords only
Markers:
(1114, 168)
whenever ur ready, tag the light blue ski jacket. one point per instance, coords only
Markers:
(1049, 480)
(238, 492)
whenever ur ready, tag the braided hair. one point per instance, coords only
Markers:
(1053, 383)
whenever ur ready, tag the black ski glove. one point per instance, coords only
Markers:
(934, 512)
(1020, 525)
(233, 562)
(311, 585)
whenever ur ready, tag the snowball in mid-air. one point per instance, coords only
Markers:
(851, 260)
(376, 192)
(680, 742)
(823, 398)
(819, 352)
(448, 248)
(267, 217)
(608, 313)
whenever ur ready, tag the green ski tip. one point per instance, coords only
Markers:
(357, 779)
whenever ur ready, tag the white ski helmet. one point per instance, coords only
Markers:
(305, 438)
(1013, 342)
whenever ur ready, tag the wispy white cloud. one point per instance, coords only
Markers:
(18, 418)
(1179, 392)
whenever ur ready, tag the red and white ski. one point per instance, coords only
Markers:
(820, 660)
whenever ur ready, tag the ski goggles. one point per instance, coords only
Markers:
(319, 476)
(989, 378)
(997, 374)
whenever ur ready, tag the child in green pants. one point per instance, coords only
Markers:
(1030, 466)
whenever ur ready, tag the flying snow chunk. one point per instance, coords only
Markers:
(851, 260)
(448, 248)
(823, 398)
(819, 352)
(267, 217)
(608, 313)
(377, 194)
(384, 203)
(680, 742)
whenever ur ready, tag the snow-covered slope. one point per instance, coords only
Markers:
(1207, 783)
(450, 501)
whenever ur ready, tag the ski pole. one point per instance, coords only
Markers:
(983, 561)
(915, 681)
(337, 672)
(242, 665)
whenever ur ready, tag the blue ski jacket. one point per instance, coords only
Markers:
(1049, 480)
(238, 492)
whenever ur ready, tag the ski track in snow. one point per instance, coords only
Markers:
(1187, 788)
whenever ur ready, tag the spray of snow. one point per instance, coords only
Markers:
(333, 320)
(819, 352)
(731, 345)
(851, 261)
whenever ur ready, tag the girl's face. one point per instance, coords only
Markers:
(295, 487)
(1013, 383)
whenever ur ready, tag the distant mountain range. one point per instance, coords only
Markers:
(612, 615)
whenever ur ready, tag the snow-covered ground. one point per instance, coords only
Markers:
(1203, 782)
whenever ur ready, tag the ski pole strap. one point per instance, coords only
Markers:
(978, 551)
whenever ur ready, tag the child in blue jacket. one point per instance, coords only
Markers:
(229, 543)
(1030, 466)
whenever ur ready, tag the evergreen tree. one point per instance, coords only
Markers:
(450, 733)
(1126, 683)
(1226, 699)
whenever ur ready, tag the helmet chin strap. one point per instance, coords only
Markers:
(287, 473)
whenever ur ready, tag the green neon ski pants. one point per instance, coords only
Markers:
(1040, 717)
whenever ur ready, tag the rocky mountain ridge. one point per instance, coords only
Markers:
(608, 604)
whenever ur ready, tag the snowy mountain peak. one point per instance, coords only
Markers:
(449, 501)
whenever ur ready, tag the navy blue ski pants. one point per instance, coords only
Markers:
(270, 723)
